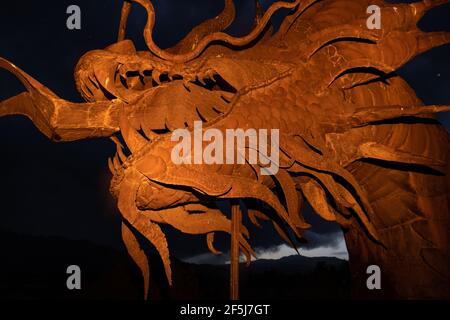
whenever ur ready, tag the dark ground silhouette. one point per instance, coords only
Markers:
(35, 268)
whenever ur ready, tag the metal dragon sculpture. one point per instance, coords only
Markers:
(355, 142)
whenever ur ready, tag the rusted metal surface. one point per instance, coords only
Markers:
(236, 221)
(355, 141)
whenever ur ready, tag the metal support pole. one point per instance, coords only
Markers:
(236, 220)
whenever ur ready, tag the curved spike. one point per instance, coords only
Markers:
(125, 12)
(138, 255)
(398, 19)
(116, 162)
(291, 198)
(207, 222)
(210, 242)
(119, 149)
(420, 8)
(247, 247)
(106, 79)
(247, 254)
(254, 215)
(316, 162)
(366, 116)
(132, 138)
(289, 21)
(34, 87)
(326, 180)
(86, 92)
(111, 166)
(325, 36)
(387, 55)
(318, 200)
(243, 188)
(355, 63)
(225, 187)
(155, 235)
(217, 36)
(150, 230)
(256, 169)
(201, 80)
(49, 113)
(361, 215)
(429, 40)
(156, 76)
(246, 188)
(245, 231)
(204, 223)
(378, 151)
(259, 13)
(216, 24)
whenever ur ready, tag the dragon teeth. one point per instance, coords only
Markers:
(156, 76)
(210, 75)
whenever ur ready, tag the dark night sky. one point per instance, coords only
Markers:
(62, 189)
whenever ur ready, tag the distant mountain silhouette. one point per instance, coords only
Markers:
(292, 277)
(297, 263)
(35, 268)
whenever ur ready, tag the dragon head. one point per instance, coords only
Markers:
(204, 70)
